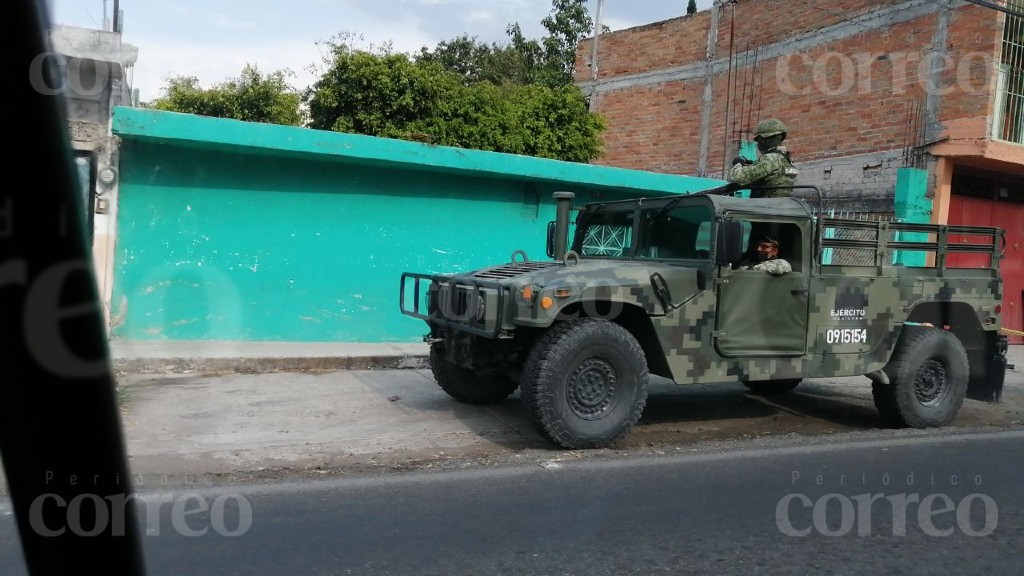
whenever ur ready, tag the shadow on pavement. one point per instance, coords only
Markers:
(687, 413)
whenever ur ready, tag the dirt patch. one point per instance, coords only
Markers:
(677, 420)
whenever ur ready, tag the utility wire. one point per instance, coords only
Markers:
(82, 2)
(1003, 9)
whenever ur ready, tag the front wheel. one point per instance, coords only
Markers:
(928, 376)
(584, 383)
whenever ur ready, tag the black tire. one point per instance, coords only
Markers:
(928, 375)
(464, 384)
(584, 384)
(773, 387)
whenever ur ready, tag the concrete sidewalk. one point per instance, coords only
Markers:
(242, 424)
(192, 357)
(248, 426)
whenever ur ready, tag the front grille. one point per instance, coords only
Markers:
(513, 270)
(458, 306)
(462, 308)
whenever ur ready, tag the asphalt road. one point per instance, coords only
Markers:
(948, 504)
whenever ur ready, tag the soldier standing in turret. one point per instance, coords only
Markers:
(773, 168)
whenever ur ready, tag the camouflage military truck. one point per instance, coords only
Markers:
(650, 286)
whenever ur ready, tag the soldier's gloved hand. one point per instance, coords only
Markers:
(742, 160)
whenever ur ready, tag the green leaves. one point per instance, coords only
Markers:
(395, 96)
(516, 98)
(252, 97)
(549, 61)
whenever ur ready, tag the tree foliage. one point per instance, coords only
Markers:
(476, 61)
(549, 61)
(568, 24)
(252, 97)
(383, 93)
(691, 8)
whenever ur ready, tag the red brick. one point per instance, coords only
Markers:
(665, 120)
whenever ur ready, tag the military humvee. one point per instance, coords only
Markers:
(650, 286)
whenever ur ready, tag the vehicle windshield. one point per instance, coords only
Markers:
(606, 235)
(681, 232)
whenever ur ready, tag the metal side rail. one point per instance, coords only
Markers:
(938, 243)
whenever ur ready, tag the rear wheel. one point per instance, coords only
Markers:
(464, 384)
(774, 387)
(584, 383)
(928, 376)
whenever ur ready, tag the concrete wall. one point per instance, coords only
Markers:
(849, 80)
(236, 231)
(866, 181)
(93, 64)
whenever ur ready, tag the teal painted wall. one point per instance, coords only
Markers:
(230, 231)
(748, 150)
(912, 205)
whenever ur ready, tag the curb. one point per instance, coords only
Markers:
(268, 365)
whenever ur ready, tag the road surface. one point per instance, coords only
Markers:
(948, 503)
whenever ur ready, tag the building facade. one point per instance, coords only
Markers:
(866, 87)
(242, 231)
(96, 67)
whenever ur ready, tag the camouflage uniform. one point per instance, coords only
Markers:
(773, 168)
(775, 266)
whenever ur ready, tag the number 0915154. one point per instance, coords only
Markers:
(846, 336)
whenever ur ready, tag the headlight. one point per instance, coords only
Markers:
(481, 308)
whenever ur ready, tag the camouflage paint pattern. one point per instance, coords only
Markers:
(853, 316)
(775, 267)
(773, 168)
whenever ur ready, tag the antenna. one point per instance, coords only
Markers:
(754, 95)
(741, 129)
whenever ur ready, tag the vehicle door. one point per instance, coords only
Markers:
(759, 314)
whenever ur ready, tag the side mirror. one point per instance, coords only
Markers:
(551, 239)
(729, 242)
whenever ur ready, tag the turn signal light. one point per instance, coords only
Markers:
(999, 308)
(527, 293)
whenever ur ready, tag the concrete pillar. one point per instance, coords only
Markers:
(103, 254)
(941, 195)
(943, 190)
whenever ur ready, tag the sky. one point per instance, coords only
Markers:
(213, 40)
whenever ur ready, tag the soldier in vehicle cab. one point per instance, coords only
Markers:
(765, 258)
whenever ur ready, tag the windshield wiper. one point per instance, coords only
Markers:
(664, 209)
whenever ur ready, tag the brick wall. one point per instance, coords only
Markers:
(654, 127)
(970, 84)
(849, 77)
(652, 47)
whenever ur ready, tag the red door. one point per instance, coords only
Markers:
(1010, 217)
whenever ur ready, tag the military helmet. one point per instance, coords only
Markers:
(770, 127)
